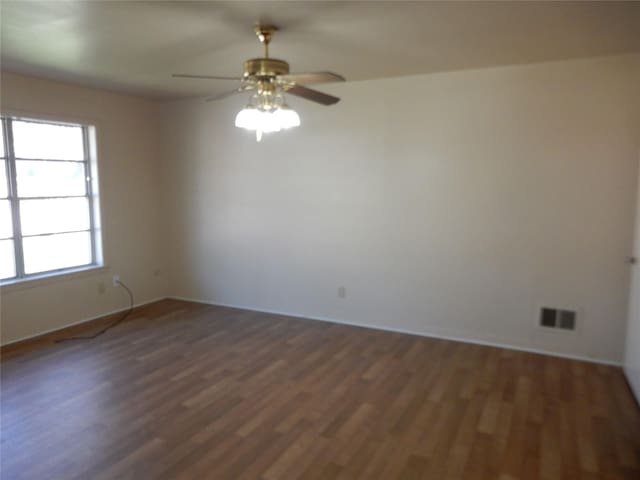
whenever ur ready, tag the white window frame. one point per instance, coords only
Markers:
(91, 193)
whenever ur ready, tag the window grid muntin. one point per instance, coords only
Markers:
(51, 197)
(14, 199)
(89, 191)
(50, 234)
(18, 258)
(48, 160)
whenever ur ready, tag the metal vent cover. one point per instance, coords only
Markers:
(558, 318)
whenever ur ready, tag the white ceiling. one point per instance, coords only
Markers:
(134, 46)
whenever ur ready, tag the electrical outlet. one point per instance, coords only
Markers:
(342, 292)
(116, 280)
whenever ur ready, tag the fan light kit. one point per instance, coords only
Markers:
(266, 114)
(270, 79)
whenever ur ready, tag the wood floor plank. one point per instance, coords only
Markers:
(190, 391)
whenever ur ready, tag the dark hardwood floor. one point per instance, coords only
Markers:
(199, 392)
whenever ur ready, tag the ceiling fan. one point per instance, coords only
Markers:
(269, 79)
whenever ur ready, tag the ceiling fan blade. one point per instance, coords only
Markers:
(313, 77)
(243, 88)
(313, 95)
(206, 77)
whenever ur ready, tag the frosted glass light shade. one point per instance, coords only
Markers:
(267, 121)
(287, 117)
(248, 118)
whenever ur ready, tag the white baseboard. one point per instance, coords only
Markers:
(79, 322)
(410, 332)
(333, 320)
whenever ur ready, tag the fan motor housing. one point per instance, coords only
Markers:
(265, 67)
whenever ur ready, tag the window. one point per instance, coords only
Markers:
(48, 199)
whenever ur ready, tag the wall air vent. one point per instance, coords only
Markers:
(558, 318)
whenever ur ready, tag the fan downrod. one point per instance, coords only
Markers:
(265, 33)
(265, 66)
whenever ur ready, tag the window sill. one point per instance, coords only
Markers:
(34, 281)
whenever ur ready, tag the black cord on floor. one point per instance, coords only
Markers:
(108, 327)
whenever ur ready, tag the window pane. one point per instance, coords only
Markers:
(1, 140)
(7, 260)
(53, 252)
(6, 227)
(50, 179)
(3, 179)
(48, 141)
(54, 216)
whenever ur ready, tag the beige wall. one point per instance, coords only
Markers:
(452, 204)
(128, 151)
